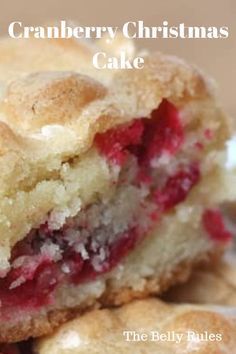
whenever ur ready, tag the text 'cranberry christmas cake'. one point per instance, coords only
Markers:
(111, 181)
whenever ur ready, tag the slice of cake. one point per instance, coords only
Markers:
(148, 327)
(215, 284)
(110, 181)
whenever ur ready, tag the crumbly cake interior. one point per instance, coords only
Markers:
(153, 164)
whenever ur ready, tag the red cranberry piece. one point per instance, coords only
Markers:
(163, 132)
(113, 143)
(145, 138)
(177, 188)
(213, 223)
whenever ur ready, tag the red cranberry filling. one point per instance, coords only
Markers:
(177, 187)
(32, 283)
(213, 223)
(146, 138)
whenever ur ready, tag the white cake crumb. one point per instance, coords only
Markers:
(17, 282)
(231, 153)
(65, 268)
(162, 160)
(51, 250)
(80, 248)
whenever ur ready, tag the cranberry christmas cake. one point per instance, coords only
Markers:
(111, 180)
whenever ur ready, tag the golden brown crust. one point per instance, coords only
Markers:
(101, 331)
(49, 97)
(36, 326)
(35, 99)
(33, 94)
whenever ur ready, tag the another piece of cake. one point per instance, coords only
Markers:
(209, 285)
(110, 181)
(146, 326)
